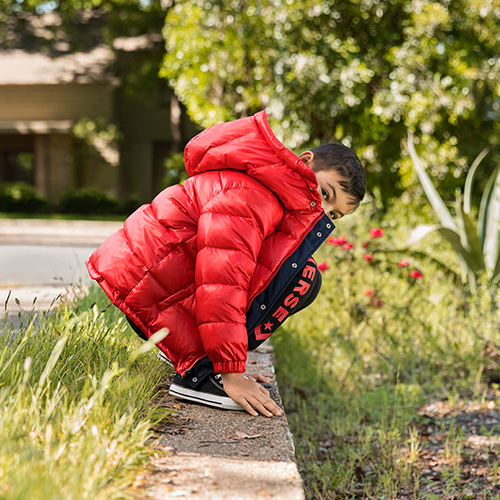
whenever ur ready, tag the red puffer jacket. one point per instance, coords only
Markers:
(194, 259)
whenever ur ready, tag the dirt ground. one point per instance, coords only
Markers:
(456, 454)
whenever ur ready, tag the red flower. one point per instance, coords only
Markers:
(347, 246)
(365, 244)
(369, 292)
(368, 257)
(323, 266)
(404, 263)
(376, 232)
(416, 274)
(336, 241)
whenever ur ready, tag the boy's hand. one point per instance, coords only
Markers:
(250, 394)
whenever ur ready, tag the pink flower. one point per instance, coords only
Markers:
(336, 241)
(376, 232)
(323, 266)
(368, 257)
(365, 244)
(369, 292)
(416, 274)
(347, 246)
(404, 263)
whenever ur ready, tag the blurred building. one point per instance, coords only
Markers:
(78, 112)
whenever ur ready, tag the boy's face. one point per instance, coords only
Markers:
(334, 200)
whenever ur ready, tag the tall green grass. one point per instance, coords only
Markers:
(75, 411)
(356, 366)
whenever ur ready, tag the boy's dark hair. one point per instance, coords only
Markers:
(336, 156)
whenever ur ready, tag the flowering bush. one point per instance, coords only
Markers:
(356, 257)
(384, 315)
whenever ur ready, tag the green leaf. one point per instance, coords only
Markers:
(496, 271)
(485, 203)
(492, 229)
(420, 232)
(470, 179)
(469, 238)
(464, 255)
(433, 196)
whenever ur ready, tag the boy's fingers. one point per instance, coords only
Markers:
(275, 409)
(259, 406)
(248, 407)
(264, 390)
(270, 405)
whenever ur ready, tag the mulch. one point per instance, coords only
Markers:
(457, 457)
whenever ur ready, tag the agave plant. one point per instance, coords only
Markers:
(475, 241)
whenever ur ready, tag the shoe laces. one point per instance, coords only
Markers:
(218, 379)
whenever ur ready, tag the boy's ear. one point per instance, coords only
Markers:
(307, 157)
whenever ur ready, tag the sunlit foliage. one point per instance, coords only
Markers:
(363, 71)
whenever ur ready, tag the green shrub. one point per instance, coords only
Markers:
(131, 205)
(87, 201)
(175, 170)
(20, 197)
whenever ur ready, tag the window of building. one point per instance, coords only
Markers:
(17, 159)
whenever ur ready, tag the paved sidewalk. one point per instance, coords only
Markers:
(38, 297)
(56, 232)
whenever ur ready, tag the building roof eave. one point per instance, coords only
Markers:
(25, 68)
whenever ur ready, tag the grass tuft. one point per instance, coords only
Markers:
(76, 403)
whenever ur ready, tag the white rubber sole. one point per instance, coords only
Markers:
(225, 403)
(164, 358)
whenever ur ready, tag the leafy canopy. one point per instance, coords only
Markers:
(363, 71)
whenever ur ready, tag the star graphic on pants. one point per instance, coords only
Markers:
(268, 325)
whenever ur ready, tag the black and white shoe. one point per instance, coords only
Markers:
(210, 392)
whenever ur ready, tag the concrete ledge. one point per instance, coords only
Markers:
(212, 454)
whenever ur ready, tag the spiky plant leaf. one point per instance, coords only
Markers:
(469, 238)
(492, 230)
(485, 203)
(470, 179)
(466, 260)
(419, 233)
(437, 203)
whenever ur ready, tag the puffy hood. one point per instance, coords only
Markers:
(249, 144)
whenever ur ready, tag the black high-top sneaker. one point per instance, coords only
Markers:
(210, 392)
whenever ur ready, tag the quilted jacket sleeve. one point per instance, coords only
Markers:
(231, 230)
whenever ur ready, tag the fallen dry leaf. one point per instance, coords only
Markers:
(243, 435)
(481, 471)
